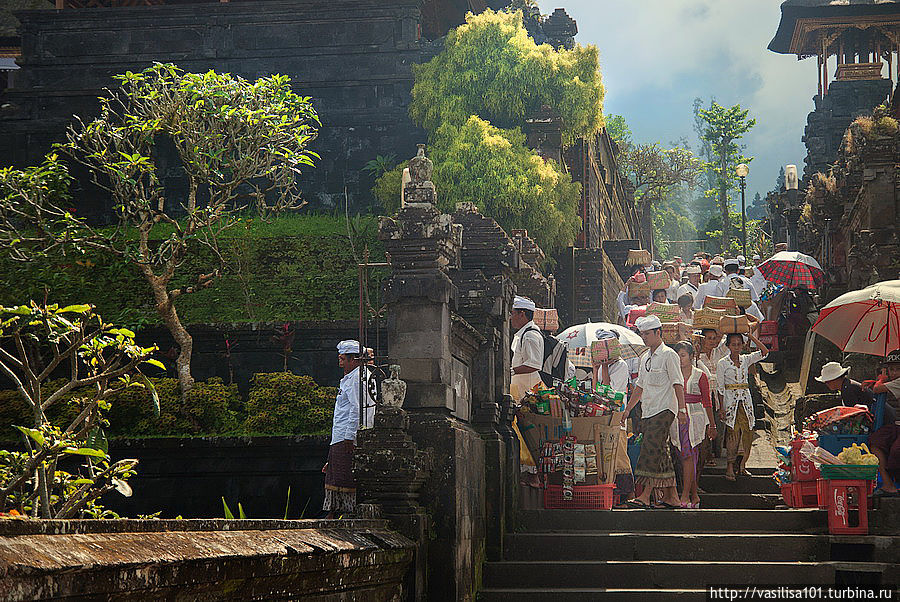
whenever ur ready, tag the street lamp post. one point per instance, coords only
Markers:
(791, 184)
(742, 171)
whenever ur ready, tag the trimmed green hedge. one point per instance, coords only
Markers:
(291, 268)
(279, 404)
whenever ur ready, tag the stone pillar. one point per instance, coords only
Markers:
(489, 259)
(436, 349)
(390, 469)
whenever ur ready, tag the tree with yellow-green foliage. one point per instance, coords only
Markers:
(476, 160)
(474, 97)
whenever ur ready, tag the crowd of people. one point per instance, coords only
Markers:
(690, 401)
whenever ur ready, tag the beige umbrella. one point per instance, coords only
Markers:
(864, 321)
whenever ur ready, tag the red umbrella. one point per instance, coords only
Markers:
(793, 270)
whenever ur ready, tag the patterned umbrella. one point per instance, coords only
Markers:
(864, 321)
(793, 270)
(578, 339)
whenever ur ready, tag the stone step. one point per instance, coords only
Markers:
(737, 501)
(755, 471)
(714, 483)
(685, 521)
(580, 595)
(664, 575)
(721, 547)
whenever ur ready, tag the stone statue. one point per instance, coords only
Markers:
(393, 390)
(420, 188)
(420, 166)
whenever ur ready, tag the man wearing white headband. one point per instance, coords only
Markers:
(340, 487)
(660, 391)
(527, 347)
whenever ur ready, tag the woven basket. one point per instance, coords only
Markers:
(730, 324)
(708, 318)
(658, 280)
(726, 303)
(638, 289)
(546, 319)
(667, 312)
(741, 296)
(672, 332)
(638, 257)
(605, 349)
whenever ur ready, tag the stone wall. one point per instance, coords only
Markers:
(203, 559)
(845, 101)
(588, 285)
(854, 207)
(352, 57)
(189, 477)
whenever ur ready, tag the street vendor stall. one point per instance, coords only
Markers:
(575, 439)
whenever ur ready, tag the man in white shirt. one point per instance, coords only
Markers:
(527, 347)
(340, 487)
(733, 280)
(691, 287)
(660, 390)
(708, 288)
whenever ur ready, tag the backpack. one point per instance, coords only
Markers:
(556, 356)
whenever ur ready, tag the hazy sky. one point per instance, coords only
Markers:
(656, 56)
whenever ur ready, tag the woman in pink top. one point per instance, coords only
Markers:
(701, 424)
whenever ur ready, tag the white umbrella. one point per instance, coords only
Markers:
(864, 321)
(578, 339)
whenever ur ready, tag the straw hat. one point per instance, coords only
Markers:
(832, 371)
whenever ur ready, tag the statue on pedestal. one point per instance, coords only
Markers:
(420, 188)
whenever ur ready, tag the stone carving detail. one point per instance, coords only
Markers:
(393, 390)
(420, 188)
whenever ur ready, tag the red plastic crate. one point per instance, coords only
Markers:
(768, 327)
(787, 494)
(841, 510)
(800, 494)
(585, 497)
(801, 468)
(822, 491)
(770, 341)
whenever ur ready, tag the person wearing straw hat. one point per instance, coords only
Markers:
(834, 376)
(340, 487)
(660, 391)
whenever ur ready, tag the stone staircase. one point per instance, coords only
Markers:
(675, 554)
(743, 535)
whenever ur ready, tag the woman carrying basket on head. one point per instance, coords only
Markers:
(733, 381)
(687, 437)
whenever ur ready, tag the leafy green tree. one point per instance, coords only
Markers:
(659, 176)
(490, 67)
(758, 241)
(241, 144)
(473, 98)
(619, 131)
(101, 360)
(474, 161)
(722, 127)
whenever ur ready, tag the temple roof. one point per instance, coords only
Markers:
(792, 11)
